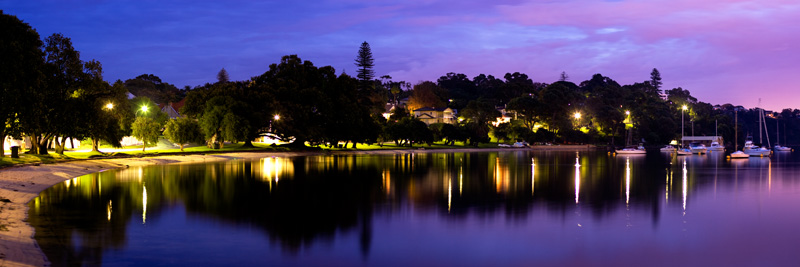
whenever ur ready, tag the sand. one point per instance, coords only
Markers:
(19, 185)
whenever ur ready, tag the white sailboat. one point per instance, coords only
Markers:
(777, 146)
(715, 146)
(750, 148)
(738, 154)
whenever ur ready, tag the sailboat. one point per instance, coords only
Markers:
(738, 154)
(750, 148)
(777, 146)
(715, 146)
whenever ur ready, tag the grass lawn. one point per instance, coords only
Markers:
(153, 151)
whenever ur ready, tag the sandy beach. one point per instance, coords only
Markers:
(19, 185)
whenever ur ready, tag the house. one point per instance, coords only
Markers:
(505, 115)
(430, 115)
(172, 108)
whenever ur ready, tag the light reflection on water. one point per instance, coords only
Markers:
(520, 208)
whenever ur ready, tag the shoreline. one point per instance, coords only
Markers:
(21, 184)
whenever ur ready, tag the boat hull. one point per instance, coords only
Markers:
(758, 152)
(631, 151)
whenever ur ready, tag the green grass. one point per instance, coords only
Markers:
(154, 151)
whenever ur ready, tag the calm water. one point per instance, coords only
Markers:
(502, 208)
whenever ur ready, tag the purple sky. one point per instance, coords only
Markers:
(723, 51)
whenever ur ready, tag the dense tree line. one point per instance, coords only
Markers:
(49, 93)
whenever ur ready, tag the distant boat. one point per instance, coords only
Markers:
(683, 152)
(778, 147)
(698, 148)
(739, 155)
(781, 148)
(754, 150)
(668, 148)
(716, 147)
(631, 150)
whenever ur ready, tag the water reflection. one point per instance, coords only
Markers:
(291, 204)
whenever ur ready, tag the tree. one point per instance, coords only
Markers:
(147, 130)
(294, 86)
(516, 85)
(426, 94)
(605, 103)
(564, 77)
(459, 88)
(102, 119)
(477, 116)
(21, 56)
(222, 76)
(223, 120)
(557, 102)
(50, 108)
(182, 131)
(655, 80)
(151, 86)
(526, 109)
(365, 63)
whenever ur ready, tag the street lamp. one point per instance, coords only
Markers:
(110, 106)
(683, 108)
(577, 115)
(142, 109)
(277, 117)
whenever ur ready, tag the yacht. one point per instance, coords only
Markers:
(632, 150)
(739, 155)
(698, 148)
(715, 146)
(781, 148)
(668, 148)
(683, 152)
(754, 150)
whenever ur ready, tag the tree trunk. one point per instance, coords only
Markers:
(181, 147)
(354, 145)
(95, 144)
(144, 145)
(248, 143)
(60, 145)
(2, 143)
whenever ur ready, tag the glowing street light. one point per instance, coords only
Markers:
(142, 109)
(577, 115)
(683, 108)
(277, 117)
(110, 106)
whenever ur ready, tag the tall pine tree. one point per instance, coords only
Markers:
(655, 80)
(365, 63)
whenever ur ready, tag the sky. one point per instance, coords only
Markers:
(722, 51)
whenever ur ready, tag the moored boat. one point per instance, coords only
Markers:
(631, 150)
(782, 148)
(739, 155)
(754, 150)
(715, 146)
(698, 148)
(683, 152)
(668, 148)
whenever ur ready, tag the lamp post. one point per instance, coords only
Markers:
(274, 118)
(630, 129)
(577, 116)
(683, 108)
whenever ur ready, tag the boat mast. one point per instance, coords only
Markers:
(736, 130)
(766, 134)
(760, 119)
